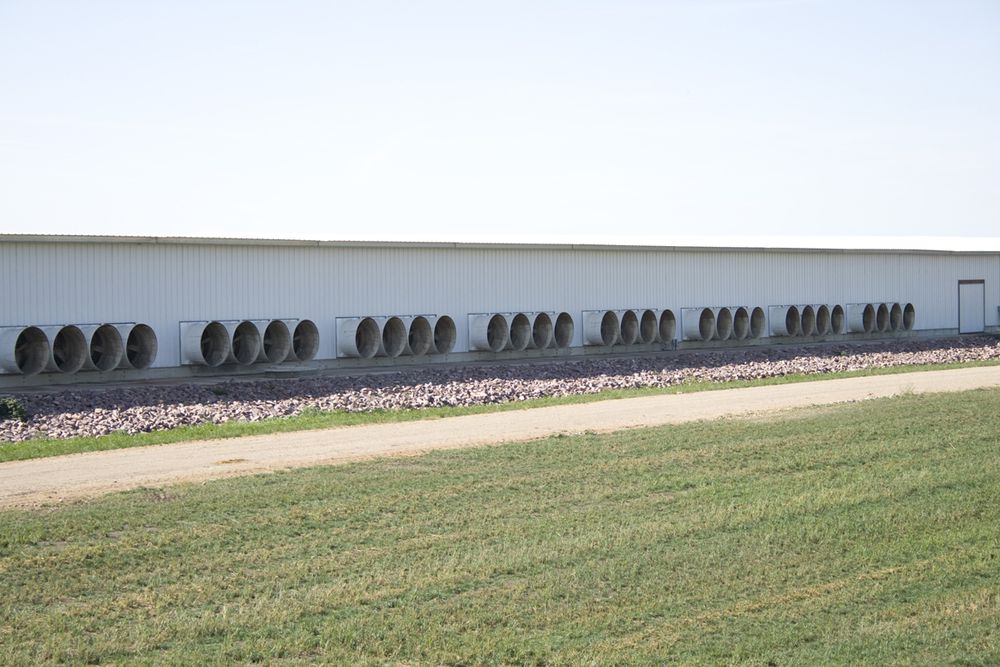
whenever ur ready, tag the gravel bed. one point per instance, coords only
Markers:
(67, 413)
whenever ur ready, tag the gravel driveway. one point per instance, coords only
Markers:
(48, 480)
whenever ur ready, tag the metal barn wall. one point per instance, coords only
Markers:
(165, 282)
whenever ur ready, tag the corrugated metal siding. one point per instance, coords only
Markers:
(53, 283)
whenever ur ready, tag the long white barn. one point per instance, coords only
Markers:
(78, 309)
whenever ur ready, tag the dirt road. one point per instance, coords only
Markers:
(56, 479)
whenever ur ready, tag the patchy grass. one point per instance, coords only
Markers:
(861, 535)
(314, 419)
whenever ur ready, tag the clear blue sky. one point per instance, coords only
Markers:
(569, 120)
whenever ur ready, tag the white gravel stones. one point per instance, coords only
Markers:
(62, 413)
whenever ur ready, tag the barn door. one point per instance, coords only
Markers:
(971, 306)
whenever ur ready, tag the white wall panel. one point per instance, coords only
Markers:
(163, 284)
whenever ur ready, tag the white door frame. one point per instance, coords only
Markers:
(979, 281)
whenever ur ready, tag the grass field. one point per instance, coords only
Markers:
(42, 447)
(857, 534)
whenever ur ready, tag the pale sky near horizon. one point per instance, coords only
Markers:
(568, 121)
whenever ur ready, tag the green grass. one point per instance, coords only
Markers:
(858, 534)
(42, 447)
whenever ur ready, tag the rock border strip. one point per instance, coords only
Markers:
(73, 412)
